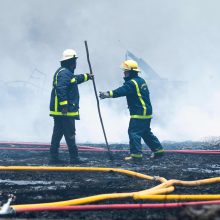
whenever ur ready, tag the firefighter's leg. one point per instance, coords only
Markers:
(151, 140)
(134, 133)
(56, 138)
(69, 134)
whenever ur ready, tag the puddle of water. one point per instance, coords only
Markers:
(191, 169)
(22, 182)
(199, 170)
(90, 180)
(52, 188)
(215, 166)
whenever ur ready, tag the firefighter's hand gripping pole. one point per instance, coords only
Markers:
(97, 99)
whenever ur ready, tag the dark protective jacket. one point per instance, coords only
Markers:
(65, 92)
(136, 91)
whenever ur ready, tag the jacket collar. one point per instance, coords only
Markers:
(129, 78)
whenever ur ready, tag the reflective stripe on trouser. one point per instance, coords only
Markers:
(64, 126)
(141, 129)
(136, 155)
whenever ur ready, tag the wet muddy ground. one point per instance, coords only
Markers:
(38, 187)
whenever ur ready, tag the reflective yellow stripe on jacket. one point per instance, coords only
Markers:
(86, 77)
(56, 98)
(56, 112)
(144, 116)
(60, 113)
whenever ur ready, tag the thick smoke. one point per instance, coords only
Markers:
(179, 39)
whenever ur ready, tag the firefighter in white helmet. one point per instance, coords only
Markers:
(64, 106)
(136, 91)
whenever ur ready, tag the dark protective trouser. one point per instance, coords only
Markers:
(140, 128)
(63, 126)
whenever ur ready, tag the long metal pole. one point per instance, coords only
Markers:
(97, 100)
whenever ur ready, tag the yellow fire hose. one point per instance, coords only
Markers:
(154, 193)
(88, 169)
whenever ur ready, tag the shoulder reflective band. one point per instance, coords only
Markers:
(140, 97)
(57, 75)
(56, 98)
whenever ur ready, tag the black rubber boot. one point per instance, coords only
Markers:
(157, 154)
(76, 160)
(54, 157)
(56, 161)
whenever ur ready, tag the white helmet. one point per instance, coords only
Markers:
(68, 54)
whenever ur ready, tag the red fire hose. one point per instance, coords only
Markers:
(45, 147)
(33, 144)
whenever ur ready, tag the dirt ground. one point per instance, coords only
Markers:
(38, 187)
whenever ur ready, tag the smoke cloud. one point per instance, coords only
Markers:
(179, 39)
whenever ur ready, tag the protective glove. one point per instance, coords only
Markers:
(103, 95)
(64, 110)
(90, 76)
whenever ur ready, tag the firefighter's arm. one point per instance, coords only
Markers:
(81, 78)
(126, 89)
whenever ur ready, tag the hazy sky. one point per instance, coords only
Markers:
(179, 39)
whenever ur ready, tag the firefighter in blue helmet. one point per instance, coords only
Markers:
(136, 91)
(64, 106)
